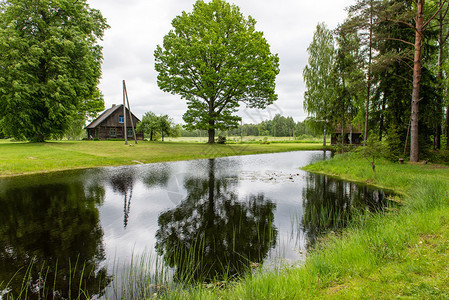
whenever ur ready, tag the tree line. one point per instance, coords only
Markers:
(383, 70)
(279, 126)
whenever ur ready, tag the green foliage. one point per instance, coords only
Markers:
(319, 75)
(279, 126)
(51, 65)
(75, 130)
(394, 143)
(149, 124)
(372, 150)
(221, 140)
(154, 125)
(215, 60)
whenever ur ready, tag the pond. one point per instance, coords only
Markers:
(206, 220)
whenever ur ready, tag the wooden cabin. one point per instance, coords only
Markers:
(356, 136)
(110, 125)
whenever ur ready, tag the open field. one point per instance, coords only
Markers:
(402, 253)
(27, 158)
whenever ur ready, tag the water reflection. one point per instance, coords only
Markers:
(329, 204)
(210, 219)
(52, 236)
(211, 234)
(123, 182)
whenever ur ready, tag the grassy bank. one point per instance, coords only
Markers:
(399, 254)
(27, 158)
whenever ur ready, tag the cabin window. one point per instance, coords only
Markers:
(112, 132)
(130, 132)
(121, 119)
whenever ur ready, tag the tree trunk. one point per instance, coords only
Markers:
(382, 117)
(350, 135)
(324, 135)
(439, 104)
(343, 138)
(368, 75)
(447, 127)
(211, 129)
(211, 133)
(414, 140)
(37, 138)
(438, 136)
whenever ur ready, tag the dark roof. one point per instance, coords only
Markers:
(104, 116)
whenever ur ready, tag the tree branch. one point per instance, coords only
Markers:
(397, 21)
(401, 60)
(434, 15)
(406, 79)
(445, 39)
(400, 40)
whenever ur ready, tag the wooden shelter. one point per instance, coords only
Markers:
(355, 133)
(110, 124)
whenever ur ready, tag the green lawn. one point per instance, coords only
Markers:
(28, 158)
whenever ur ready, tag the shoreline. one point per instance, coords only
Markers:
(399, 253)
(25, 159)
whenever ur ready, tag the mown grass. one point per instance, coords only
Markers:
(29, 158)
(399, 254)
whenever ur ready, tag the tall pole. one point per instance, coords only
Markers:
(124, 114)
(129, 111)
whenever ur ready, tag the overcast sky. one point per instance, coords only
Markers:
(138, 26)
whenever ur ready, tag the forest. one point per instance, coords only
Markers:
(384, 69)
(279, 126)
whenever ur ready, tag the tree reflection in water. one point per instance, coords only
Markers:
(52, 235)
(211, 235)
(329, 204)
(123, 183)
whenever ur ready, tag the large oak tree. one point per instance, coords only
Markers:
(50, 63)
(215, 59)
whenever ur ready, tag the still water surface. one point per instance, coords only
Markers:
(233, 212)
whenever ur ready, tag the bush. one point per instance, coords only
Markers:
(221, 139)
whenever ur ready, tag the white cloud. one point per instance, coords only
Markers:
(138, 26)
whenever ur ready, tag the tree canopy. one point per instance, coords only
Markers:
(319, 76)
(152, 124)
(391, 54)
(215, 59)
(50, 63)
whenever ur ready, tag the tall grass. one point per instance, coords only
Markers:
(41, 282)
(142, 277)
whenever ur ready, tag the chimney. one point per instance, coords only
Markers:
(113, 105)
